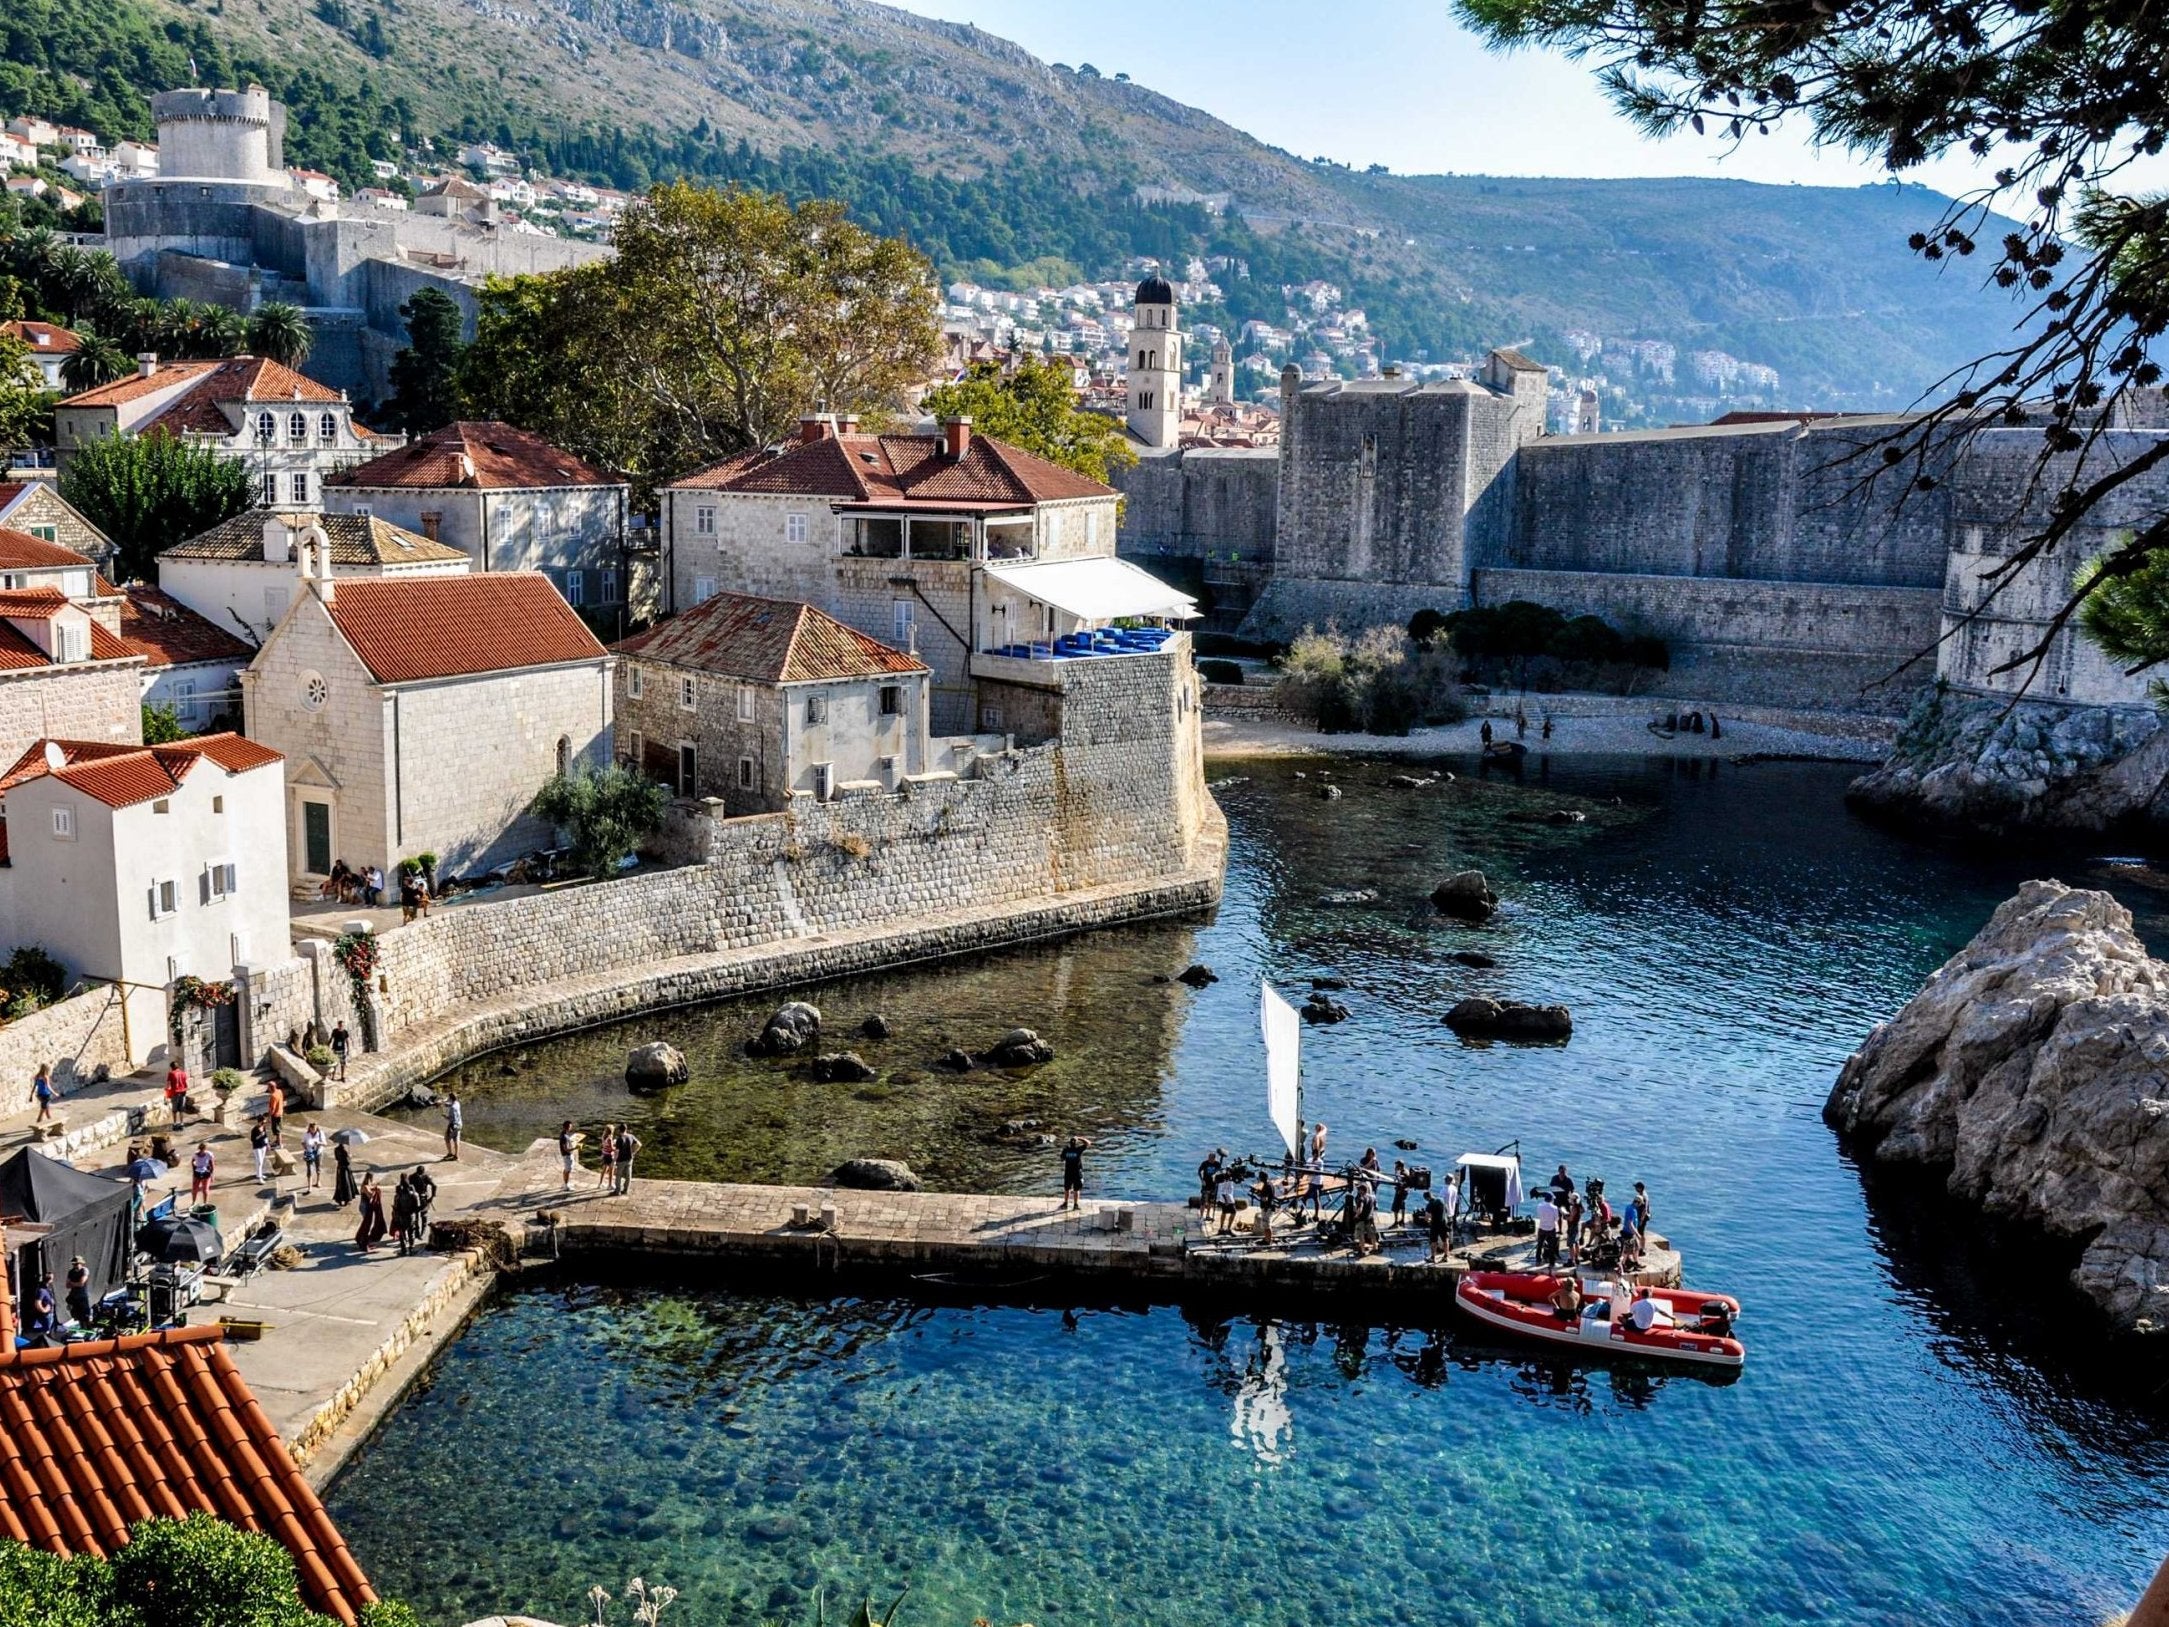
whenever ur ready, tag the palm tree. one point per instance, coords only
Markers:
(221, 331)
(280, 333)
(98, 361)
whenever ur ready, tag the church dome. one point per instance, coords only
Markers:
(1154, 290)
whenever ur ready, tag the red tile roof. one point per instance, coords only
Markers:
(901, 470)
(44, 338)
(135, 386)
(122, 775)
(487, 456)
(102, 1434)
(776, 641)
(409, 628)
(38, 601)
(21, 551)
(247, 381)
(166, 633)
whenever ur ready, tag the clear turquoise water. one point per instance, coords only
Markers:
(1917, 1438)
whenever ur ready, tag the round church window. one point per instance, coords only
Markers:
(314, 691)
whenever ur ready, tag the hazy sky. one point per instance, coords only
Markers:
(1396, 82)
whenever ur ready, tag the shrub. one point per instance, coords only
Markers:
(1220, 672)
(1424, 626)
(29, 981)
(227, 1080)
(1533, 646)
(320, 1057)
(606, 812)
(1380, 682)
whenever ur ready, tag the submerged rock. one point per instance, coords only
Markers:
(1466, 896)
(1342, 897)
(1198, 975)
(2030, 1068)
(875, 1027)
(842, 1067)
(1483, 1018)
(874, 1175)
(1321, 1007)
(654, 1065)
(1019, 1048)
(1336, 984)
(791, 1027)
(1474, 957)
(423, 1096)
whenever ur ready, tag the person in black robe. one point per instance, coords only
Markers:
(343, 1190)
(371, 1231)
(404, 1211)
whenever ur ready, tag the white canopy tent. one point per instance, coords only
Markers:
(1094, 590)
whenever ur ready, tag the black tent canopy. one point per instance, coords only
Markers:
(77, 1213)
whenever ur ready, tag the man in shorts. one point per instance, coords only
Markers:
(1073, 1172)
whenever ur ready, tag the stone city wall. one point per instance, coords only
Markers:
(1115, 806)
(75, 1037)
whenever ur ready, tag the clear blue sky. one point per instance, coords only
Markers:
(1396, 82)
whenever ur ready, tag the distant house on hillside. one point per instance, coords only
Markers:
(424, 714)
(50, 345)
(291, 431)
(754, 701)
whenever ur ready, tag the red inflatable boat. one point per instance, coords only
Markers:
(1683, 1324)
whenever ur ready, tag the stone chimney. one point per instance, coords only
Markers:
(146, 364)
(814, 427)
(956, 434)
(847, 424)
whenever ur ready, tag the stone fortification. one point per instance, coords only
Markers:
(1203, 520)
(2029, 1069)
(79, 1038)
(1108, 820)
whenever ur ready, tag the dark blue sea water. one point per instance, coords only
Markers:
(1923, 1434)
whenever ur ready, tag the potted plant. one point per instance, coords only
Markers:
(224, 1082)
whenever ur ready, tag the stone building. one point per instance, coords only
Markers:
(423, 715)
(508, 500)
(36, 508)
(50, 345)
(239, 575)
(224, 221)
(891, 534)
(64, 671)
(144, 864)
(1153, 394)
(289, 430)
(755, 701)
(189, 664)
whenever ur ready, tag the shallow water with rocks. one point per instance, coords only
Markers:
(1923, 1432)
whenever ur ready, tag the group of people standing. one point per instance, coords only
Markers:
(1585, 1227)
(616, 1148)
(412, 1199)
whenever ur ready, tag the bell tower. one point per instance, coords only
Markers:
(1222, 393)
(1155, 392)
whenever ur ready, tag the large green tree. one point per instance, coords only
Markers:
(425, 374)
(280, 333)
(725, 316)
(26, 405)
(148, 492)
(2056, 101)
(97, 360)
(1036, 407)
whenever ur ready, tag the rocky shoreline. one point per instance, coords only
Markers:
(2034, 1068)
(1978, 764)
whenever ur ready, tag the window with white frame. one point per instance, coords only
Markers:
(576, 587)
(704, 520)
(327, 427)
(636, 747)
(745, 703)
(635, 683)
(892, 700)
(685, 693)
(301, 485)
(794, 528)
(64, 823)
(271, 486)
(267, 427)
(824, 781)
(165, 899)
(746, 774)
(44, 533)
(218, 882)
(703, 589)
(816, 708)
(297, 427)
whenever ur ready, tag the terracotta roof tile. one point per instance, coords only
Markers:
(38, 601)
(415, 627)
(485, 455)
(21, 551)
(44, 338)
(247, 381)
(102, 1434)
(900, 470)
(135, 386)
(356, 540)
(776, 641)
(121, 775)
(166, 633)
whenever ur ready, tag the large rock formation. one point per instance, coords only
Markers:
(2034, 1067)
(1978, 763)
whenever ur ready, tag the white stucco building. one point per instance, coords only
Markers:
(423, 714)
(239, 575)
(291, 431)
(145, 864)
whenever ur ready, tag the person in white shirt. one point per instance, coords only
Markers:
(1547, 1231)
(1645, 1313)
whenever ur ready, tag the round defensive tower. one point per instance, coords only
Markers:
(221, 135)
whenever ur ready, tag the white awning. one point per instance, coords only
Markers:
(1094, 589)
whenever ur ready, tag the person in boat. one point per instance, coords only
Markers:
(1566, 1299)
(1645, 1313)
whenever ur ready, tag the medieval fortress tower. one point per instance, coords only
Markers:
(223, 222)
(1765, 549)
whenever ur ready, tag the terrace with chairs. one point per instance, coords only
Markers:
(1033, 617)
